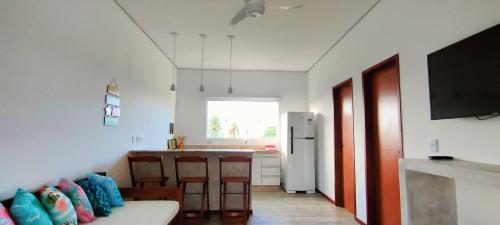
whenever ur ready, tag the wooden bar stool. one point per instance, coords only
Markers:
(194, 214)
(162, 179)
(235, 215)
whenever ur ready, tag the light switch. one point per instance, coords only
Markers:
(434, 145)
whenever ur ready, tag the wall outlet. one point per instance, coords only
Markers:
(138, 138)
(434, 145)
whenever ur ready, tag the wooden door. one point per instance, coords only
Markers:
(384, 145)
(345, 188)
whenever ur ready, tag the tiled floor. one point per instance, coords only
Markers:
(279, 208)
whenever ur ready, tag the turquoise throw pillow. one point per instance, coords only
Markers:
(109, 186)
(4, 216)
(59, 206)
(27, 210)
(97, 197)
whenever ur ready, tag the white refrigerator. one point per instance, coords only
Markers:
(297, 152)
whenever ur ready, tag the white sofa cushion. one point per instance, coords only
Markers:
(141, 212)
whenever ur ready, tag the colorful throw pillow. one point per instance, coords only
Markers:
(4, 216)
(97, 197)
(59, 206)
(109, 186)
(27, 210)
(79, 199)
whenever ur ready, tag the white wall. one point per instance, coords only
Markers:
(413, 29)
(290, 87)
(56, 58)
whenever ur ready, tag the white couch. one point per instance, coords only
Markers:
(152, 212)
(141, 212)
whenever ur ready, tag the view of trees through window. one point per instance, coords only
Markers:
(242, 119)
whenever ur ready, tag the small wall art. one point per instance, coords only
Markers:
(112, 88)
(111, 121)
(112, 105)
(115, 111)
(112, 100)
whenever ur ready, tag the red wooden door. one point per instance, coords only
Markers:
(343, 114)
(384, 142)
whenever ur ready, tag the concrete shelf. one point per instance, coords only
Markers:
(428, 192)
(482, 173)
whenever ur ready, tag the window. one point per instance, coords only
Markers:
(236, 119)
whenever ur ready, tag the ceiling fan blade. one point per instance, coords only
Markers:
(242, 14)
(295, 7)
(288, 7)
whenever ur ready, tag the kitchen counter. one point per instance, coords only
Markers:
(209, 150)
(270, 151)
(180, 150)
(196, 169)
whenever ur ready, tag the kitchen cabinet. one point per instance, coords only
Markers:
(266, 169)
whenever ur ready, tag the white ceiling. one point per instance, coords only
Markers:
(280, 40)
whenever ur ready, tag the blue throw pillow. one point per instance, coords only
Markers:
(97, 197)
(27, 210)
(109, 186)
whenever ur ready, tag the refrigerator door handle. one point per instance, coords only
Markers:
(291, 140)
(305, 138)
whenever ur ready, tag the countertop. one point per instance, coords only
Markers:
(475, 172)
(195, 151)
(207, 150)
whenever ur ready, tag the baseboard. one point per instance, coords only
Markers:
(326, 197)
(218, 212)
(266, 188)
(359, 221)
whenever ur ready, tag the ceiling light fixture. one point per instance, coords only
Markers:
(172, 87)
(230, 89)
(203, 36)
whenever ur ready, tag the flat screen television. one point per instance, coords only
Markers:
(464, 78)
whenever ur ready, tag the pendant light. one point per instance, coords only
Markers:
(172, 87)
(230, 89)
(203, 36)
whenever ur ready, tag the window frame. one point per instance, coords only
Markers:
(249, 141)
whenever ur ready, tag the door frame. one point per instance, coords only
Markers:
(369, 157)
(337, 156)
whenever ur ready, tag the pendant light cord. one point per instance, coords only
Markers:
(231, 62)
(173, 68)
(203, 36)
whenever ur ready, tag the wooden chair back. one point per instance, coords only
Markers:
(235, 159)
(190, 159)
(144, 159)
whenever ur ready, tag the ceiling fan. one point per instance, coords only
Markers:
(256, 8)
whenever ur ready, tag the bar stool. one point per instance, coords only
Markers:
(241, 215)
(162, 179)
(193, 214)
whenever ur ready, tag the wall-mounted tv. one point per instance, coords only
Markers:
(464, 78)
